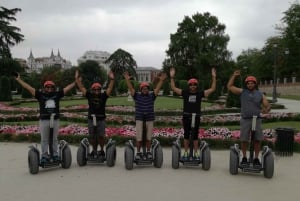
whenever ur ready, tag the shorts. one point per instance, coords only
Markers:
(187, 127)
(246, 126)
(99, 130)
(139, 130)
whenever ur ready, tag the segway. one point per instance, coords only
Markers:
(83, 151)
(156, 151)
(64, 154)
(205, 157)
(267, 157)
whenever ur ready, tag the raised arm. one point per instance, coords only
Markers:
(173, 87)
(162, 78)
(231, 87)
(207, 92)
(79, 83)
(25, 85)
(70, 86)
(111, 82)
(129, 85)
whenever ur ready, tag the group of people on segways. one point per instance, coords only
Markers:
(54, 154)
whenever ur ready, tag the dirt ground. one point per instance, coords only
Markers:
(99, 182)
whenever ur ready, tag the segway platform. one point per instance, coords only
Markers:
(84, 157)
(157, 156)
(34, 158)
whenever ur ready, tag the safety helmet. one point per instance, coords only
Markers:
(47, 83)
(250, 79)
(96, 85)
(144, 84)
(193, 81)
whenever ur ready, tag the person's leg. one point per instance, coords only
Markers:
(139, 132)
(259, 136)
(149, 126)
(101, 134)
(245, 125)
(55, 134)
(186, 128)
(44, 129)
(92, 137)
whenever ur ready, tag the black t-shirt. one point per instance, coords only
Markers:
(96, 104)
(192, 101)
(49, 103)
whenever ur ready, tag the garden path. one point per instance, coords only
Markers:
(94, 182)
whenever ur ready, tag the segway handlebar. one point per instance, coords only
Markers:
(52, 120)
(254, 118)
(193, 116)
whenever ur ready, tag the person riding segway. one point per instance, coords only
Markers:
(253, 102)
(144, 115)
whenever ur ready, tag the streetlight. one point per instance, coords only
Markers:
(274, 95)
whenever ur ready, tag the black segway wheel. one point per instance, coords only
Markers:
(234, 162)
(33, 162)
(81, 156)
(129, 154)
(269, 165)
(206, 159)
(66, 159)
(175, 157)
(158, 157)
(111, 154)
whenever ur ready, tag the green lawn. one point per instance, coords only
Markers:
(162, 102)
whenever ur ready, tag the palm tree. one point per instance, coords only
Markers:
(9, 35)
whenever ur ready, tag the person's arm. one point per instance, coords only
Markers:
(207, 92)
(79, 83)
(25, 85)
(162, 78)
(230, 84)
(173, 87)
(129, 85)
(69, 87)
(111, 83)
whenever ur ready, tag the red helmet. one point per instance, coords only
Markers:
(250, 79)
(144, 84)
(96, 85)
(47, 83)
(192, 81)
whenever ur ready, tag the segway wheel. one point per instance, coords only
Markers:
(175, 157)
(206, 160)
(81, 156)
(158, 159)
(234, 162)
(128, 158)
(269, 165)
(33, 162)
(111, 154)
(66, 158)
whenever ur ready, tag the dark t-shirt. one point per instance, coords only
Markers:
(96, 104)
(192, 101)
(49, 103)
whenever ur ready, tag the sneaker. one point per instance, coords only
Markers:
(55, 158)
(184, 156)
(44, 160)
(138, 156)
(93, 154)
(197, 156)
(244, 161)
(149, 155)
(256, 163)
(102, 153)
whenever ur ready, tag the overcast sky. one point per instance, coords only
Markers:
(140, 27)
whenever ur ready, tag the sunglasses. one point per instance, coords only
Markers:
(96, 89)
(192, 84)
(49, 87)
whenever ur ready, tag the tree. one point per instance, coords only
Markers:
(291, 36)
(9, 35)
(121, 61)
(5, 94)
(91, 72)
(200, 42)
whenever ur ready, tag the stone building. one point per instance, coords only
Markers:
(99, 56)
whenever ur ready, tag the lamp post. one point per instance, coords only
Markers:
(274, 95)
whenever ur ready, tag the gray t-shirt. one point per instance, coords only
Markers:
(251, 103)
